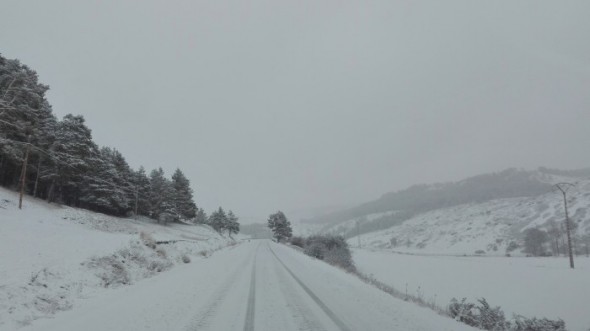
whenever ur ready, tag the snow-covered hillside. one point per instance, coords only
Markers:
(52, 256)
(489, 227)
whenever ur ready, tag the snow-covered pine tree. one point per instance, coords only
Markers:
(106, 187)
(42, 163)
(280, 226)
(161, 196)
(233, 227)
(218, 220)
(183, 196)
(22, 101)
(141, 188)
(201, 217)
(74, 149)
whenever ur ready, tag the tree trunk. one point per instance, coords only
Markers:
(37, 177)
(23, 177)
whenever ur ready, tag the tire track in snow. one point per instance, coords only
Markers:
(315, 298)
(249, 323)
(202, 318)
(302, 313)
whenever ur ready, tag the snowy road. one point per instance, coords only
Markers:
(257, 285)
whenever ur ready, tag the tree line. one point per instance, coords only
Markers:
(552, 240)
(57, 160)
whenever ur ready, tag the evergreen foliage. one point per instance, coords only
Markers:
(218, 220)
(66, 166)
(280, 226)
(161, 198)
(201, 217)
(183, 196)
(141, 192)
(232, 227)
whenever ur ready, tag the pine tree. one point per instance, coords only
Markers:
(42, 163)
(183, 196)
(141, 189)
(22, 110)
(280, 226)
(218, 220)
(232, 227)
(75, 150)
(161, 201)
(106, 187)
(201, 217)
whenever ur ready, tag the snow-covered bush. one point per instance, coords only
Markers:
(463, 311)
(314, 250)
(483, 316)
(491, 318)
(534, 324)
(133, 262)
(50, 304)
(297, 241)
(113, 271)
(332, 249)
(147, 240)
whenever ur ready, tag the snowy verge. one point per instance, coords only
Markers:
(52, 256)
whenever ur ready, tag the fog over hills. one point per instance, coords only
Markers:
(395, 208)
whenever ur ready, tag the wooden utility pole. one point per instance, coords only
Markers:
(564, 187)
(23, 174)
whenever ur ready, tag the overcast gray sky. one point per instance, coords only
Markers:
(298, 105)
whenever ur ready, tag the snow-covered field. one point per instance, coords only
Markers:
(542, 287)
(51, 257)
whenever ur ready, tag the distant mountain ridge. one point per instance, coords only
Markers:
(395, 208)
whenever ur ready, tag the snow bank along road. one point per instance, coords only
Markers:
(258, 285)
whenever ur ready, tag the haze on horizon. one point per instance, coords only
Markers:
(303, 105)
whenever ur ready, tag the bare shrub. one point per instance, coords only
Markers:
(463, 311)
(51, 304)
(332, 249)
(297, 241)
(185, 258)
(483, 316)
(535, 324)
(113, 270)
(491, 318)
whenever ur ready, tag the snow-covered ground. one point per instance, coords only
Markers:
(258, 285)
(487, 227)
(52, 257)
(542, 287)
(66, 269)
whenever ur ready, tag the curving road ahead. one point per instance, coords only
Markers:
(258, 285)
